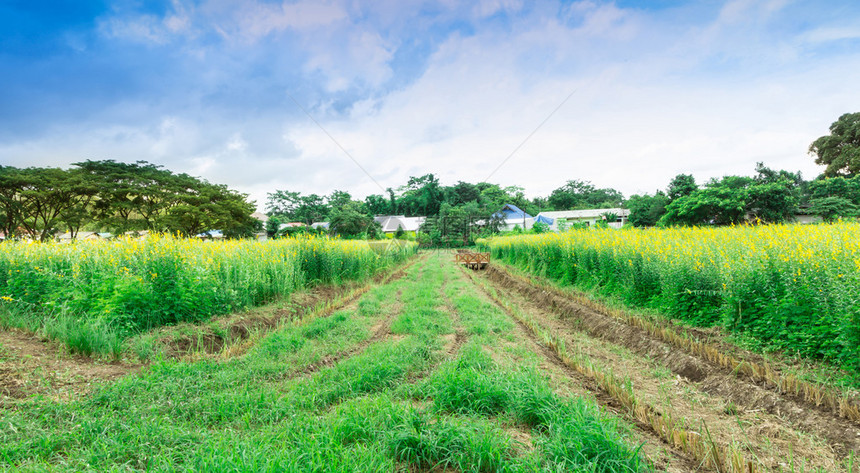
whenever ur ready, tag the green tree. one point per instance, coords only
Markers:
(646, 210)
(681, 185)
(11, 211)
(273, 224)
(350, 221)
(377, 205)
(832, 208)
(720, 203)
(840, 150)
(582, 194)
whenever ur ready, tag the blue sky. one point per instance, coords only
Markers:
(409, 87)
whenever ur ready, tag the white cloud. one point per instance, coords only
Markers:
(653, 97)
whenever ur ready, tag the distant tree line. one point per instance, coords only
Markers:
(117, 197)
(769, 196)
(456, 214)
(464, 211)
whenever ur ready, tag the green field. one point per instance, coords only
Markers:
(94, 295)
(425, 367)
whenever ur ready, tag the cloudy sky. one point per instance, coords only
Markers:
(309, 95)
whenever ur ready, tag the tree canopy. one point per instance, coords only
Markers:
(117, 197)
(840, 150)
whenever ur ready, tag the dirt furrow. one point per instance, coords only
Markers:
(236, 331)
(30, 365)
(841, 434)
(380, 333)
(677, 460)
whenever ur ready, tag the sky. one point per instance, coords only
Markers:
(358, 95)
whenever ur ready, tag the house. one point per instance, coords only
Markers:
(564, 219)
(512, 216)
(320, 226)
(391, 223)
(291, 225)
(260, 216)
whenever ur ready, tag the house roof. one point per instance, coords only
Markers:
(320, 225)
(260, 216)
(390, 223)
(585, 213)
(542, 218)
(511, 212)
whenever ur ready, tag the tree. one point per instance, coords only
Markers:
(294, 207)
(680, 186)
(646, 210)
(44, 194)
(11, 212)
(338, 199)
(832, 208)
(840, 150)
(718, 203)
(283, 204)
(350, 221)
(772, 202)
(582, 194)
(273, 224)
(377, 205)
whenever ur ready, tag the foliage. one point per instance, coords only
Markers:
(40, 202)
(582, 195)
(273, 225)
(793, 287)
(540, 227)
(348, 220)
(768, 198)
(831, 209)
(131, 285)
(646, 210)
(681, 185)
(840, 150)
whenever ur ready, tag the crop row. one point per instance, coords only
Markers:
(791, 287)
(131, 285)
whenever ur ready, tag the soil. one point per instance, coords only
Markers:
(770, 427)
(30, 366)
(569, 382)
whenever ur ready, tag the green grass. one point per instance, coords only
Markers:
(398, 403)
(125, 287)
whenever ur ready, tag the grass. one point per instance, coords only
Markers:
(391, 405)
(124, 287)
(791, 287)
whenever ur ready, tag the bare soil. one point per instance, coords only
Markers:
(770, 427)
(569, 382)
(30, 366)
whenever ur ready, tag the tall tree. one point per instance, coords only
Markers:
(646, 210)
(840, 150)
(582, 194)
(680, 186)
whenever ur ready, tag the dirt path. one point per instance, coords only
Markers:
(32, 366)
(768, 430)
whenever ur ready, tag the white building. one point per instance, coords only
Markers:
(390, 223)
(564, 219)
